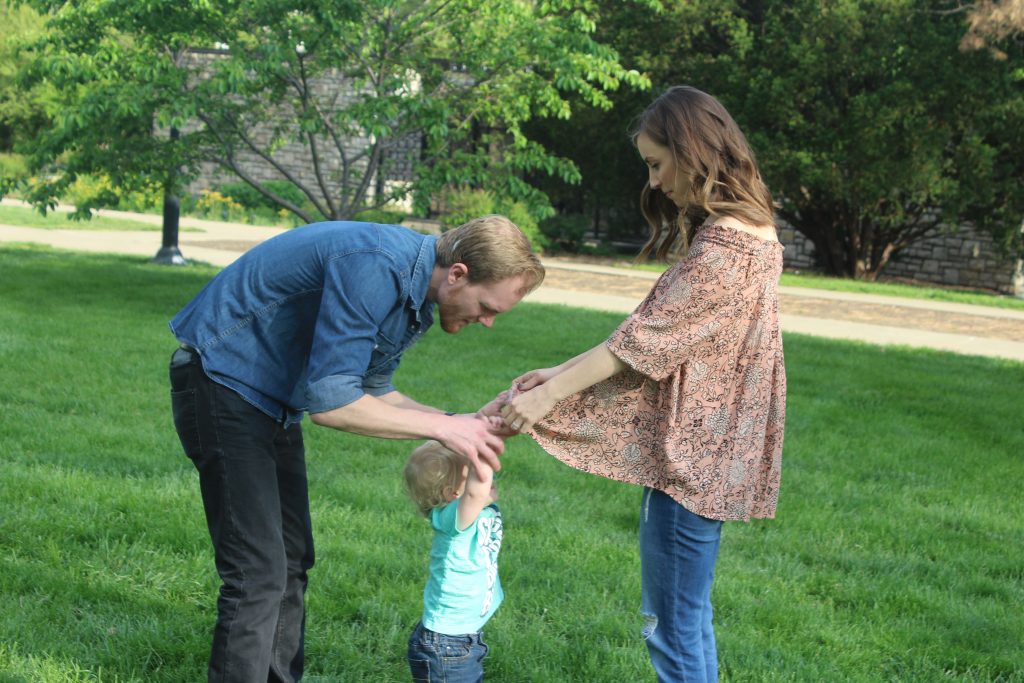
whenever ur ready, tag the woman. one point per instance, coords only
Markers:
(687, 396)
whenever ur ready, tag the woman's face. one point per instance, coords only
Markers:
(661, 167)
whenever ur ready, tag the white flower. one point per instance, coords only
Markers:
(718, 422)
(632, 453)
(679, 293)
(752, 378)
(588, 430)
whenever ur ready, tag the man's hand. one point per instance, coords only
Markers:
(493, 407)
(474, 439)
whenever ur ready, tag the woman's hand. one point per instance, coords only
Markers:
(551, 385)
(491, 413)
(534, 378)
(523, 411)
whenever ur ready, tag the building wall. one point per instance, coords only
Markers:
(967, 258)
(296, 158)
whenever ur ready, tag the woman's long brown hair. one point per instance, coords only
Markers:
(710, 151)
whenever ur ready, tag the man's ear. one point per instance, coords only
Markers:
(456, 272)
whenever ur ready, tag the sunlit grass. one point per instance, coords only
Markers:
(895, 556)
(61, 220)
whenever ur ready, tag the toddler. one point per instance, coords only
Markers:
(463, 589)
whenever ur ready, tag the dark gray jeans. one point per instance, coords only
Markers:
(252, 475)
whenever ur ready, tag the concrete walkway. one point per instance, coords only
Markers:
(884, 320)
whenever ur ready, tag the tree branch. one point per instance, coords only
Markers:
(266, 157)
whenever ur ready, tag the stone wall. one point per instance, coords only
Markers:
(967, 258)
(296, 158)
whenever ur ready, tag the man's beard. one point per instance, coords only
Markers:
(447, 320)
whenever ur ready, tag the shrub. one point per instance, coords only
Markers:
(213, 204)
(99, 191)
(251, 198)
(565, 231)
(462, 205)
(13, 167)
(91, 188)
(386, 216)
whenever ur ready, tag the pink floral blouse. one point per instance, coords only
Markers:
(699, 413)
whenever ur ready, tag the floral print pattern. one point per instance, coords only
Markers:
(700, 412)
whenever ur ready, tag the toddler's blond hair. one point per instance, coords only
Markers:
(431, 473)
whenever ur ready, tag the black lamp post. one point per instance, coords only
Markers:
(169, 254)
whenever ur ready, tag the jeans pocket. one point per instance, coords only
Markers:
(186, 422)
(455, 647)
(420, 669)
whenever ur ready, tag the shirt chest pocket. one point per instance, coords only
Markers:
(389, 347)
(385, 350)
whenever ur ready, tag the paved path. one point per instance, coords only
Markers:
(961, 328)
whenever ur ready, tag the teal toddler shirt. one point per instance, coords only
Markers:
(463, 589)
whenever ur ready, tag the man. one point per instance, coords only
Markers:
(316, 320)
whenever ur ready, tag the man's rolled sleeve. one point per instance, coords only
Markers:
(378, 385)
(333, 392)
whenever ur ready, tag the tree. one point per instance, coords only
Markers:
(461, 75)
(991, 22)
(22, 112)
(872, 128)
(596, 139)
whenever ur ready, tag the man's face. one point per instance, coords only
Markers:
(460, 302)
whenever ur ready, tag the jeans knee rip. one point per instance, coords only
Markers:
(650, 625)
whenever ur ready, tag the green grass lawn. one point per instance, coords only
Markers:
(896, 554)
(54, 220)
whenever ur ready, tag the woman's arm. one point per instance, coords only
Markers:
(534, 378)
(583, 371)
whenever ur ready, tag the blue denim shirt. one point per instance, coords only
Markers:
(314, 318)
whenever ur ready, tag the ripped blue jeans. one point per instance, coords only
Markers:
(678, 550)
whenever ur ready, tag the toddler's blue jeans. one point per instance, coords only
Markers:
(678, 550)
(438, 658)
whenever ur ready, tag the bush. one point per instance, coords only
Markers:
(565, 231)
(13, 167)
(98, 190)
(461, 206)
(385, 216)
(252, 199)
(214, 205)
(464, 205)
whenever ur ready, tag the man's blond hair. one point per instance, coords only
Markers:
(493, 248)
(432, 474)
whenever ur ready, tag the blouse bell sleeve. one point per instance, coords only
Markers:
(693, 310)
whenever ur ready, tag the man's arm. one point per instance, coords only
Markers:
(394, 416)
